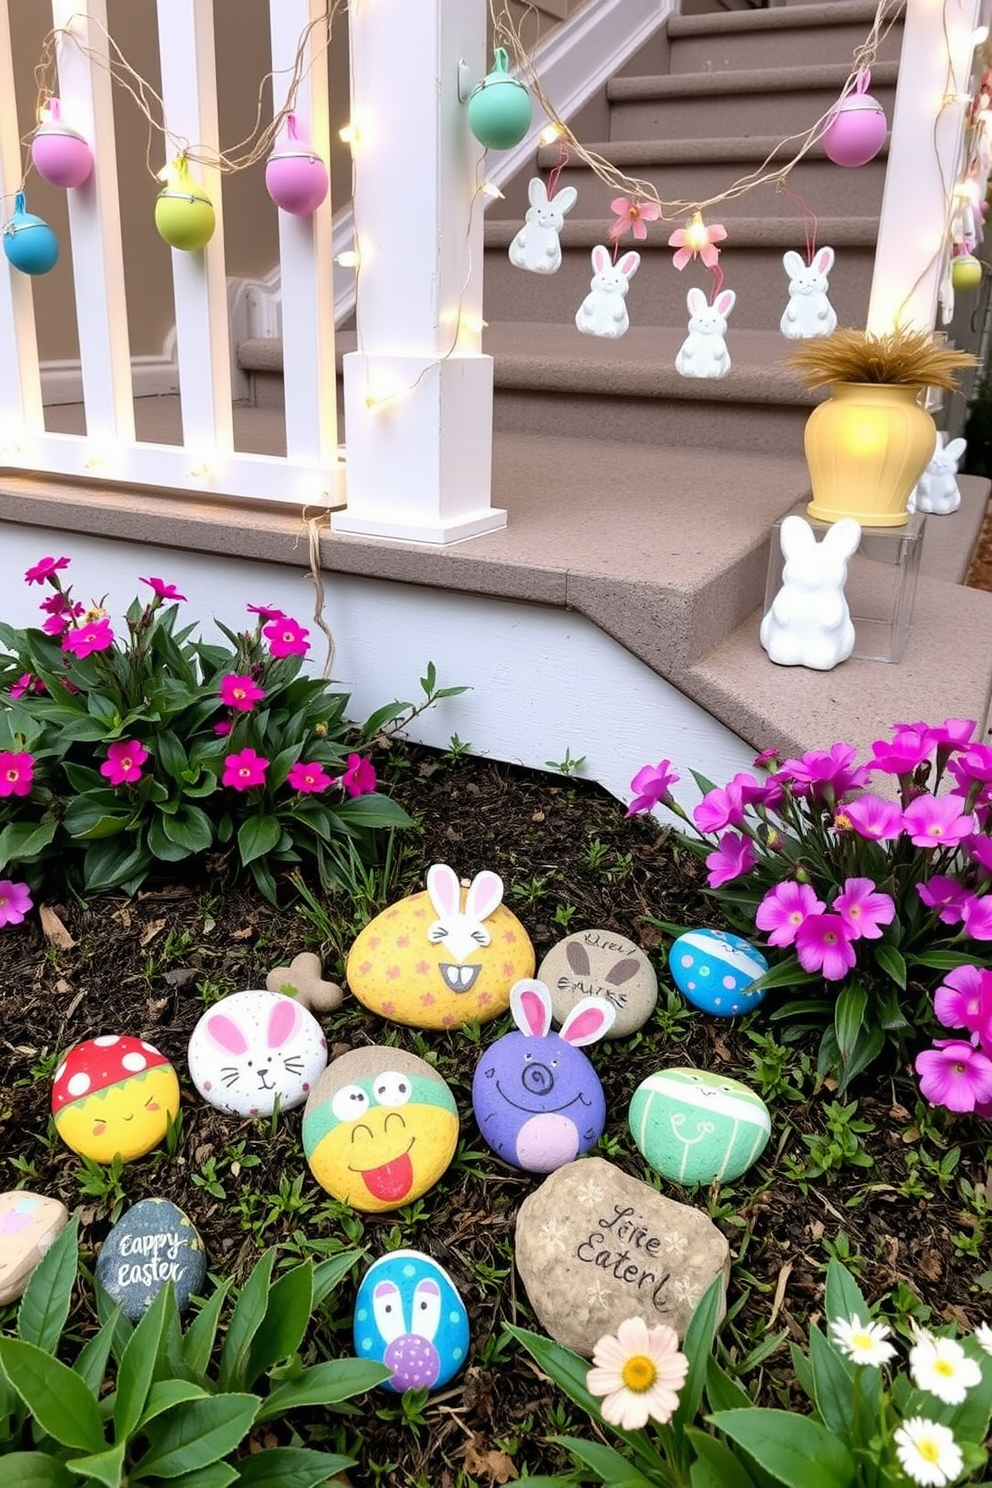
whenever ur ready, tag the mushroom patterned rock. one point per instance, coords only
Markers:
(29, 1224)
(254, 1048)
(114, 1096)
(601, 963)
(410, 1317)
(303, 979)
(695, 1127)
(152, 1243)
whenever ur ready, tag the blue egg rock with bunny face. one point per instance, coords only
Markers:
(410, 1317)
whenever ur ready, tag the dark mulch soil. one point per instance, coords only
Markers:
(146, 965)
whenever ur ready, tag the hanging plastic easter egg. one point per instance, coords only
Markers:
(28, 241)
(184, 213)
(59, 153)
(499, 107)
(295, 178)
(857, 128)
(966, 271)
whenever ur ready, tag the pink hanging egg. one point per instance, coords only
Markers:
(857, 127)
(295, 178)
(59, 153)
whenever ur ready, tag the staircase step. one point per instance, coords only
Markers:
(796, 34)
(694, 105)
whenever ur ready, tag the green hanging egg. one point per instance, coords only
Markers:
(499, 107)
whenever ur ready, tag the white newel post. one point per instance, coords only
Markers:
(924, 162)
(21, 412)
(418, 416)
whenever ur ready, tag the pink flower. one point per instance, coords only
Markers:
(125, 758)
(823, 944)
(972, 768)
(60, 612)
(26, 683)
(223, 728)
(910, 745)
(359, 776)
(243, 770)
(820, 772)
(978, 848)
(937, 821)
(945, 895)
(721, 807)
(955, 1075)
(286, 637)
(632, 216)
(964, 1000)
(872, 817)
(651, 786)
(240, 693)
(977, 916)
(695, 238)
(734, 855)
(783, 910)
(639, 1372)
(308, 778)
(16, 774)
(863, 910)
(767, 758)
(44, 569)
(96, 636)
(953, 733)
(15, 901)
(267, 612)
(162, 589)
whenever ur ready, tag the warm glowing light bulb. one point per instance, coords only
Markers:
(489, 188)
(348, 260)
(349, 134)
(696, 236)
(548, 135)
(474, 324)
(979, 36)
(45, 112)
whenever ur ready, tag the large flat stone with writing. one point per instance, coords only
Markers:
(29, 1224)
(601, 963)
(594, 1247)
(152, 1243)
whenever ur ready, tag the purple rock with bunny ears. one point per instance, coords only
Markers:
(254, 1048)
(537, 1099)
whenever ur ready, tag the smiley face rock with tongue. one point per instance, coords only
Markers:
(379, 1129)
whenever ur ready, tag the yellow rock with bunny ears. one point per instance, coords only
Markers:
(442, 958)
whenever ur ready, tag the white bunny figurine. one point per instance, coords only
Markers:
(704, 352)
(809, 623)
(809, 312)
(603, 312)
(937, 490)
(537, 246)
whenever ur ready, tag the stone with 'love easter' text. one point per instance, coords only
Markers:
(694, 1127)
(714, 969)
(152, 1243)
(410, 1317)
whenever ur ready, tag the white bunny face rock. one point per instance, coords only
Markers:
(937, 490)
(254, 1048)
(603, 312)
(809, 312)
(809, 624)
(536, 246)
(704, 352)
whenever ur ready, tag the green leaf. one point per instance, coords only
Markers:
(372, 811)
(105, 1467)
(171, 754)
(723, 1392)
(159, 844)
(287, 1314)
(844, 1299)
(328, 1273)
(893, 962)
(726, 1469)
(833, 1384)
(794, 1449)
(698, 1347)
(21, 841)
(246, 1320)
(48, 1295)
(110, 863)
(605, 1461)
(849, 1019)
(217, 1475)
(35, 1470)
(57, 1398)
(290, 1467)
(91, 1363)
(946, 960)
(134, 1377)
(200, 1336)
(324, 1384)
(189, 828)
(801, 1369)
(164, 1394)
(196, 1434)
(256, 837)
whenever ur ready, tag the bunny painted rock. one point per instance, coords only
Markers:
(537, 1099)
(809, 312)
(937, 490)
(601, 963)
(704, 352)
(409, 1316)
(254, 1048)
(809, 623)
(603, 312)
(537, 246)
(442, 958)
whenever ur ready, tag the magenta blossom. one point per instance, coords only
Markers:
(223, 728)
(937, 821)
(864, 910)
(43, 570)
(15, 901)
(308, 778)
(124, 760)
(823, 943)
(955, 1075)
(162, 589)
(16, 774)
(651, 786)
(976, 914)
(722, 807)
(953, 733)
(972, 768)
(96, 636)
(978, 847)
(359, 776)
(243, 770)
(734, 856)
(822, 771)
(267, 612)
(871, 817)
(783, 910)
(287, 637)
(910, 745)
(944, 895)
(26, 683)
(240, 693)
(964, 1000)
(767, 758)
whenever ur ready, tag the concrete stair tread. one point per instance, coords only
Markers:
(744, 80)
(717, 150)
(782, 18)
(745, 232)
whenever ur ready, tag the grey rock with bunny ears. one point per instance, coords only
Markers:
(601, 963)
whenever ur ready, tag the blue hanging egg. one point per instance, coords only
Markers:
(28, 241)
(410, 1317)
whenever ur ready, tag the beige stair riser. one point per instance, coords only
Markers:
(720, 114)
(796, 47)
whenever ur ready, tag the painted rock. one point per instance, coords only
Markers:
(152, 1243)
(537, 1099)
(380, 1128)
(114, 1096)
(29, 1223)
(594, 1246)
(713, 970)
(694, 1127)
(601, 963)
(410, 1317)
(442, 958)
(254, 1048)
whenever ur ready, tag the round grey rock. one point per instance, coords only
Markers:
(151, 1244)
(601, 963)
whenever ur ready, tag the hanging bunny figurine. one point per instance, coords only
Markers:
(603, 312)
(809, 312)
(704, 352)
(537, 245)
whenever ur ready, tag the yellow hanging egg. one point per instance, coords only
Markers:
(184, 213)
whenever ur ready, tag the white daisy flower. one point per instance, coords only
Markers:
(862, 1342)
(928, 1453)
(941, 1366)
(983, 1337)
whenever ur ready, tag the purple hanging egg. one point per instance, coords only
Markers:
(857, 128)
(59, 153)
(295, 177)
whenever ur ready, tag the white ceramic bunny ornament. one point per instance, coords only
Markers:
(809, 312)
(603, 312)
(809, 624)
(537, 246)
(704, 352)
(937, 490)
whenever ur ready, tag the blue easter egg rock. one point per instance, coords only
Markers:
(410, 1317)
(152, 1243)
(694, 1127)
(713, 970)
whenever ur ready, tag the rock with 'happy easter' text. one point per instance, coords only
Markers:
(601, 963)
(714, 969)
(29, 1224)
(696, 1127)
(594, 1246)
(151, 1244)
(410, 1317)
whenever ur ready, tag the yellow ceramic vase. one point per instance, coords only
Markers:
(866, 447)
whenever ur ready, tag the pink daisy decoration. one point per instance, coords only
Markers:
(240, 693)
(82, 642)
(124, 760)
(955, 1075)
(734, 856)
(16, 773)
(651, 786)
(42, 571)
(696, 238)
(863, 909)
(162, 589)
(244, 770)
(937, 821)
(783, 910)
(287, 637)
(632, 216)
(308, 778)
(359, 776)
(824, 944)
(15, 901)
(639, 1373)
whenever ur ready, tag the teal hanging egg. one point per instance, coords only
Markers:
(28, 241)
(499, 107)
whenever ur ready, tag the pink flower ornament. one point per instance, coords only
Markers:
(286, 637)
(82, 642)
(696, 238)
(43, 570)
(964, 1000)
(162, 590)
(632, 216)
(937, 821)
(872, 817)
(734, 857)
(308, 779)
(638, 1372)
(955, 1075)
(823, 944)
(125, 758)
(864, 910)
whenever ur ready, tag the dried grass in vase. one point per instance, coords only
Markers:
(904, 358)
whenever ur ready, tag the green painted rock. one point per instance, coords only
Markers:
(694, 1127)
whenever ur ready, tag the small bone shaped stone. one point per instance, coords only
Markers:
(303, 979)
